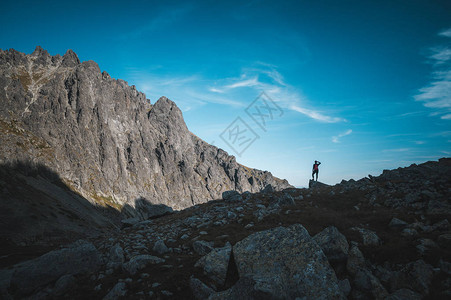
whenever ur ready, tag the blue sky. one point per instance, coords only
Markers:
(361, 86)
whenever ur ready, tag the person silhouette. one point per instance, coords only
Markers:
(315, 170)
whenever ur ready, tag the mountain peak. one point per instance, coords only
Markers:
(70, 59)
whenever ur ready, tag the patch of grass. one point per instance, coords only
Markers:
(11, 127)
(106, 201)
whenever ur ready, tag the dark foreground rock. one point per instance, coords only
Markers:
(82, 257)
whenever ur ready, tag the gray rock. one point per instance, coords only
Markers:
(231, 215)
(129, 222)
(426, 245)
(150, 211)
(64, 284)
(369, 237)
(286, 263)
(444, 240)
(119, 290)
(345, 287)
(81, 257)
(231, 196)
(366, 282)
(167, 293)
(268, 189)
(141, 261)
(316, 184)
(286, 200)
(356, 260)
(202, 247)
(441, 226)
(160, 247)
(397, 223)
(416, 276)
(409, 232)
(117, 254)
(246, 288)
(200, 290)
(333, 244)
(215, 264)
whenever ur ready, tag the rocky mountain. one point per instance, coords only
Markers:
(384, 237)
(105, 140)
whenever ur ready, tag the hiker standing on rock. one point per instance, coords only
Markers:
(315, 170)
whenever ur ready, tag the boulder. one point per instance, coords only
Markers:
(119, 290)
(215, 264)
(160, 247)
(141, 261)
(231, 196)
(285, 262)
(129, 222)
(356, 261)
(64, 285)
(116, 254)
(369, 237)
(312, 184)
(80, 257)
(397, 223)
(246, 288)
(345, 286)
(200, 290)
(444, 240)
(441, 226)
(416, 276)
(202, 247)
(367, 283)
(268, 189)
(333, 243)
(157, 210)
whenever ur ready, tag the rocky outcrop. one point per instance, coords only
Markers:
(356, 253)
(286, 263)
(105, 139)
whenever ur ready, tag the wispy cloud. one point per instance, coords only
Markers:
(195, 91)
(336, 139)
(189, 92)
(437, 94)
(397, 150)
(446, 33)
(266, 78)
(243, 83)
(315, 115)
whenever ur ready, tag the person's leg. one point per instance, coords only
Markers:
(317, 175)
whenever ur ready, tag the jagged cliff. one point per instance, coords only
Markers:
(105, 139)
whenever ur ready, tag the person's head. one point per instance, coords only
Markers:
(316, 161)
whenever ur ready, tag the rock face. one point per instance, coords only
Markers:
(286, 263)
(105, 139)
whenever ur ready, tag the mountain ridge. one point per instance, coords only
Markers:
(106, 140)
